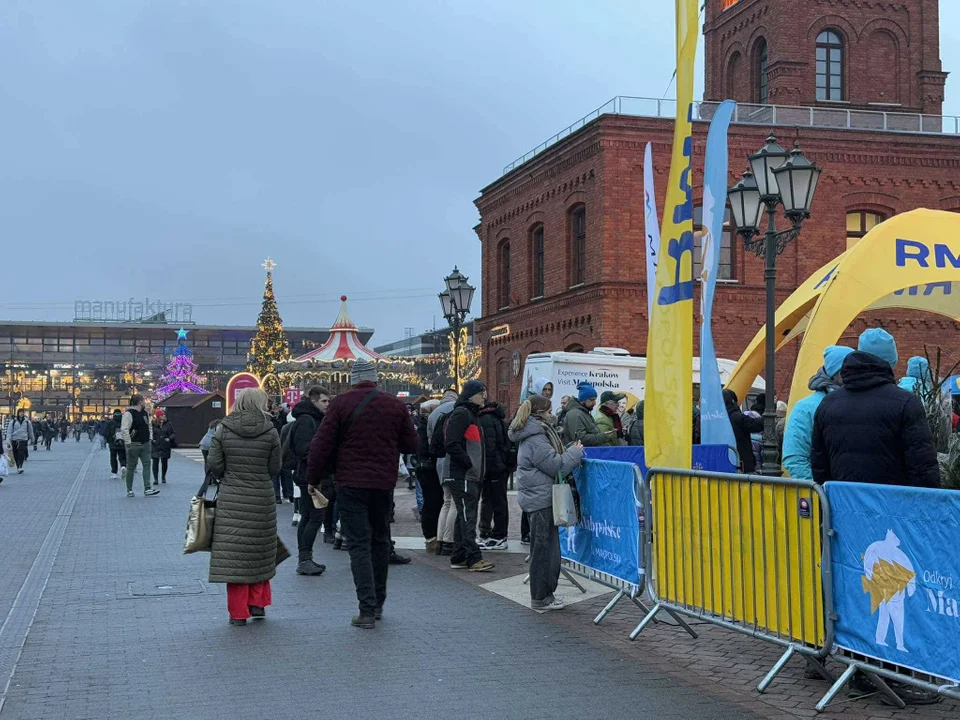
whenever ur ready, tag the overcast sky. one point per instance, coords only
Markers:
(165, 148)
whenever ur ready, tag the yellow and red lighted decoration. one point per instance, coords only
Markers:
(669, 382)
(725, 4)
(240, 381)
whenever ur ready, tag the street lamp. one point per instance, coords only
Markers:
(455, 302)
(776, 177)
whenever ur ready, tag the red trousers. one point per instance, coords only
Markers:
(240, 597)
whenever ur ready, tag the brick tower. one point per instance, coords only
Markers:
(880, 55)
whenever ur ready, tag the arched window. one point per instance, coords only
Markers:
(762, 65)
(536, 262)
(725, 270)
(830, 66)
(578, 245)
(859, 223)
(734, 68)
(504, 274)
(575, 348)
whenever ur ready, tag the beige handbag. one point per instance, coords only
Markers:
(199, 537)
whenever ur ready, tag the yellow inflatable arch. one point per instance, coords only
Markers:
(910, 261)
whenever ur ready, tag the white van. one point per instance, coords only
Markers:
(606, 369)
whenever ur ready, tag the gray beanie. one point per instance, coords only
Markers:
(363, 371)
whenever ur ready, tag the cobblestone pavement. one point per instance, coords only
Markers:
(118, 623)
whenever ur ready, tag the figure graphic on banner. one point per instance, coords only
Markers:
(889, 575)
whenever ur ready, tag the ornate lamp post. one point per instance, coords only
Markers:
(455, 302)
(776, 178)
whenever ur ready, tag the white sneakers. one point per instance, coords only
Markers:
(555, 604)
(494, 544)
(296, 519)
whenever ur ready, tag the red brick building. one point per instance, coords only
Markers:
(859, 85)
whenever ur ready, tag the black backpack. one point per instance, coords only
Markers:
(438, 442)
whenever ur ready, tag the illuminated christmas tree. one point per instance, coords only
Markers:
(181, 373)
(269, 346)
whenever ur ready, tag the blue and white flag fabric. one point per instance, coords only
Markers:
(652, 226)
(896, 574)
(715, 428)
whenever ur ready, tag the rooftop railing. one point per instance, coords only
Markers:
(824, 117)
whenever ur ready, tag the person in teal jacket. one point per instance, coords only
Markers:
(798, 436)
(918, 373)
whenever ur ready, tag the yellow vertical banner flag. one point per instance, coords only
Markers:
(668, 396)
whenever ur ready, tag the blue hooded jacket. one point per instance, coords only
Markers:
(918, 371)
(798, 436)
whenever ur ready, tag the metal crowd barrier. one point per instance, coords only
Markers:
(744, 552)
(623, 589)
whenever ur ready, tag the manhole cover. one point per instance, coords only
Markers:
(162, 589)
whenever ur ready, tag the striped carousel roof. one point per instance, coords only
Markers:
(343, 343)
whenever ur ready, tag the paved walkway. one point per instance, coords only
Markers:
(105, 618)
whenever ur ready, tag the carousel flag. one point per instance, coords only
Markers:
(669, 381)
(715, 428)
(651, 226)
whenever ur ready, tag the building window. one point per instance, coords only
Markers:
(725, 270)
(763, 94)
(859, 223)
(575, 348)
(726, 4)
(578, 245)
(505, 274)
(829, 66)
(503, 372)
(536, 262)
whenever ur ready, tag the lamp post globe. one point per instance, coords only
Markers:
(776, 178)
(455, 302)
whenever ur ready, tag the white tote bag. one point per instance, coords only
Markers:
(564, 508)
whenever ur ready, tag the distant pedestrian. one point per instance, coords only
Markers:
(429, 482)
(20, 435)
(635, 434)
(245, 454)
(118, 451)
(135, 430)
(163, 440)
(463, 441)
(871, 431)
(308, 417)
(365, 431)
(207, 439)
(798, 433)
(541, 459)
(494, 507)
(579, 424)
(447, 520)
(743, 425)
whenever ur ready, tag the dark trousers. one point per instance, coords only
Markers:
(160, 468)
(432, 500)
(118, 457)
(494, 511)
(544, 556)
(365, 521)
(524, 526)
(309, 525)
(19, 452)
(466, 496)
(47, 441)
(284, 483)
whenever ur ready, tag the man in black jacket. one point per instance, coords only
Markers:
(307, 416)
(871, 431)
(494, 509)
(743, 425)
(465, 452)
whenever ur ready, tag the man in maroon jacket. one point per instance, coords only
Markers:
(364, 432)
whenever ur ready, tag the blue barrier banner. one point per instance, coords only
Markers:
(607, 538)
(896, 574)
(712, 458)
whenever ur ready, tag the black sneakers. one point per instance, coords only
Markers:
(367, 622)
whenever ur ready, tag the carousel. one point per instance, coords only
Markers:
(329, 365)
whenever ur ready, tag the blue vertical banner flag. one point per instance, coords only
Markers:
(715, 428)
(651, 224)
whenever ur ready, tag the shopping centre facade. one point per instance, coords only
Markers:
(88, 368)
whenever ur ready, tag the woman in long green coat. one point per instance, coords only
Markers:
(245, 454)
